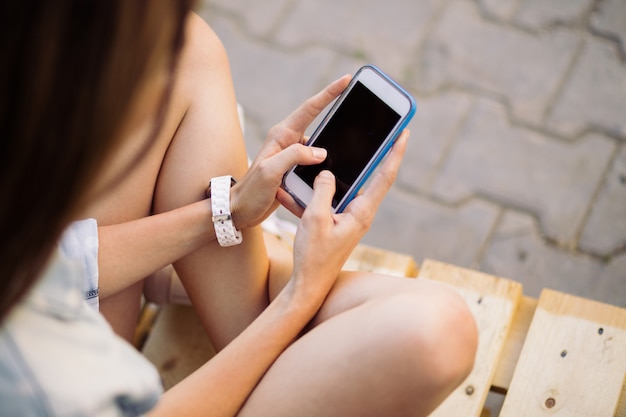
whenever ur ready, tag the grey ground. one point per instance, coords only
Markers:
(517, 159)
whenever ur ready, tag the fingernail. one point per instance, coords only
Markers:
(325, 174)
(319, 153)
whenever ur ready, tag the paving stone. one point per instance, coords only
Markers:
(469, 51)
(517, 252)
(538, 14)
(432, 132)
(595, 94)
(270, 83)
(605, 231)
(423, 229)
(609, 18)
(501, 9)
(554, 179)
(258, 17)
(384, 35)
(346, 64)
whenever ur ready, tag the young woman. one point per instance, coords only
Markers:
(121, 113)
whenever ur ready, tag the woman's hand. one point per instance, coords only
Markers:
(257, 194)
(325, 239)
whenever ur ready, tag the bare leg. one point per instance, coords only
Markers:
(380, 346)
(122, 310)
(201, 138)
(227, 286)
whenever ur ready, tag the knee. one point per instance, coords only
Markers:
(439, 337)
(453, 340)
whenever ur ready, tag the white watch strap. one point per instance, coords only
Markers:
(225, 231)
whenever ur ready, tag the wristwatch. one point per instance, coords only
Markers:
(219, 193)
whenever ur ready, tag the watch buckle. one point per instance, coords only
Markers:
(221, 217)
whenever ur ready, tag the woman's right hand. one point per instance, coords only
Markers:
(324, 239)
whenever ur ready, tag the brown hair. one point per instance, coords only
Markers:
(71, 69)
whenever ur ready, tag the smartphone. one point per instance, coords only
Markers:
(357, 132)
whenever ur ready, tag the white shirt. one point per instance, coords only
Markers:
(59, 356)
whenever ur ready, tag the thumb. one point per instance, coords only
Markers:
(296, 154)
(323, 192)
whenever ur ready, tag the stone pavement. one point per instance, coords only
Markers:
(517, 158)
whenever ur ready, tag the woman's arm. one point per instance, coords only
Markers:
(323, 243)
(131, 251)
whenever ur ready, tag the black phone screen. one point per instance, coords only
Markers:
(352, 136)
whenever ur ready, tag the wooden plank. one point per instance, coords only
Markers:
(513, 345)
(573, 362)
(493, 301)
(621, 404)
(369, 259)
(147, 317)
(177, 344)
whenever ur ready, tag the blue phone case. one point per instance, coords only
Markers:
(388, 146)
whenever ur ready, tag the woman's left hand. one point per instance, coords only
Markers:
(258, 193)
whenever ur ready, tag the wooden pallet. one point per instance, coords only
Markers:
(558, 355)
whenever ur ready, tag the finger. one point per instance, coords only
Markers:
(287, 201)
(302, 117)
(323, 192)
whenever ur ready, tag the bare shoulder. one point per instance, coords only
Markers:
(203, 54)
